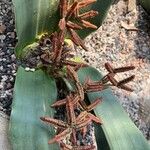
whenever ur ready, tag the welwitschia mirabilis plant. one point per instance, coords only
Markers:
(35, 92)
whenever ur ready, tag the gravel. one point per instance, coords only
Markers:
(110, 42)
(7, 57)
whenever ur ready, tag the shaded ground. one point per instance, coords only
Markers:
(7, 57)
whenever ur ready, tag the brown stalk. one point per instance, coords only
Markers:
(80, 65)
(73, 63)
(63, 8)
(73, 137)
(75, 99)
(84, 123)
(59, 103)
(54, 42)
(85, 115)
(55, 45)
(91, 106)
(126, 88)
(73, 26)
(109, 68)
(61, 36)
(87, 81)
(83, 105)
(87, 24)
(81, 116)
(76, 39)
(94, 104)
(123, 69)
(71, 10)
(70, 111)
(65, 146)
(121, 83)
(60, 48)
(55, 122)
(94, 118)
(126, 80)
(63, 101)
(105, 79)
(72, 74)
(96, 86)
(60, 136)
(89, 14)
(97, 89)
(93, 84)
(62, 24)
(112, 80)
(84, 131)
(80, 91)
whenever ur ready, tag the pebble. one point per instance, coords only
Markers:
(2, 37)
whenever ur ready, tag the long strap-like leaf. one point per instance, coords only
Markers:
(33, 95)
(32, 18)
(120, 131)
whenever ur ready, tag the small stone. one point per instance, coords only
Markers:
(1, 67)
(9, 85)
(32, 69)
(4, 59)
(131, 5)
(12, 35)
(11, 21)
(27, 69)
(13, 71)
(2, 28)
(4, 78)
(1, 86)
(134, 97)
(2, 37)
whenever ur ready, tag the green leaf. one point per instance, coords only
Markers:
(145, 4)
(120, 131)
(35, 17)
(33, 95)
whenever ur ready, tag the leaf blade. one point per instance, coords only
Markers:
(34, 18)
(33, 94)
